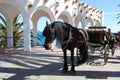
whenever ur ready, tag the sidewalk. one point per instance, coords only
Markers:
(41, 64)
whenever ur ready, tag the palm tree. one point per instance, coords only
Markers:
(39, 37)
(118, 16)
(3, 31)
(17, 33)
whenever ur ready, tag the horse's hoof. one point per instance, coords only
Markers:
(72, 72)
(64, 71)
(78, 63)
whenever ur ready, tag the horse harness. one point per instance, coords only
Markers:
(84, 33)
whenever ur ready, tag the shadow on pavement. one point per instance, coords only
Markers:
(52, 67)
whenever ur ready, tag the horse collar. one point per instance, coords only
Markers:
(70, 37)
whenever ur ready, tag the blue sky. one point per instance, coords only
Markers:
(111, 9)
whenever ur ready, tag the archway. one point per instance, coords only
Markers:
(39, 19)
(40, 27)
(5, 9)
(79, 21)
(97, 23)
(79, 25)
(89, 22)
(66, 17)
(61, 20)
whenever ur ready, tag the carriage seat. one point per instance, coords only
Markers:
(97, 37)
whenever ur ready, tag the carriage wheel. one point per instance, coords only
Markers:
(78, 56)
(106, 54)
(77, 52)
(92, 49)
(101, 49)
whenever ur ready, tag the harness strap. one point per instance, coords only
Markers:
(70, 37)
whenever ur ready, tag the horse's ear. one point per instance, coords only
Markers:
(46, 23)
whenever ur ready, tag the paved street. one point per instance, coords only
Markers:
(41, 64)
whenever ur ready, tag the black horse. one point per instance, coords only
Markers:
(69, 38)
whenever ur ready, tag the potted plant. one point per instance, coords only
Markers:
(30, 5)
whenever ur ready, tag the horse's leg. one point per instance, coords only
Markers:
(84, 53)
(65, 68)
(72, 61)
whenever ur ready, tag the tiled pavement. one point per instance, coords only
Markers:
(40, 64)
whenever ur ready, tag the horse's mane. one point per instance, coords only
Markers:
(61, 30)
(64, 29)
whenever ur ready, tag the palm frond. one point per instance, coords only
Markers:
(1, 26)
(118, 16)
(18, 26)
(15, 20)
(17, 33)
(118, 22)
(3, 31)
(3, 20)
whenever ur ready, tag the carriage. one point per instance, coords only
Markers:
(70, 37)
(98, 41)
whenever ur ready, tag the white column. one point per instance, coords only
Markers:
(35, 33)
(102, 20)
(83, 23)
(73, 23)
(27, 41)
(9, 33)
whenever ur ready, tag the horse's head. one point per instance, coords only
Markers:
(49, 33)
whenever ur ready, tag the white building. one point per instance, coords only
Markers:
(71, 11)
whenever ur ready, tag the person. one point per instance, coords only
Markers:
(109, 34)
(118, 41)
(110, 38)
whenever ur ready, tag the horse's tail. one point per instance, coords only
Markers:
(82, 54)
